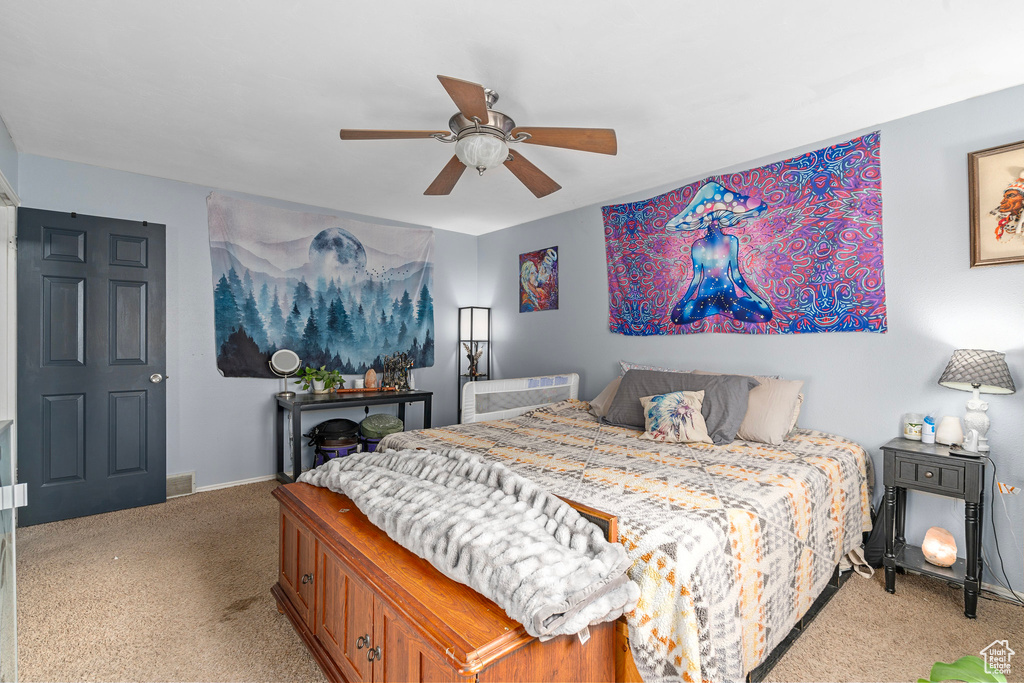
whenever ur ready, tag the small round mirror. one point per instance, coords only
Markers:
(285, 362)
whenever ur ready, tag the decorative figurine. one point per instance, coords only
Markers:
(370, 379)
(396, 371)
(473, 354)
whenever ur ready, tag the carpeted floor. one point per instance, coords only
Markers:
(866, 634)
(181, 592)
(172, 592)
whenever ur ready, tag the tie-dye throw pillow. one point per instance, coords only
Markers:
(675, 418)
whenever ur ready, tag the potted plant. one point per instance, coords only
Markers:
(970, 669)
(319, 380)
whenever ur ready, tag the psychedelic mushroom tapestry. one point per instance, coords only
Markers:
(791, 247)
(339, 292)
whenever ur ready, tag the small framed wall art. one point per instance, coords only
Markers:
(538, 280)
(996, 178)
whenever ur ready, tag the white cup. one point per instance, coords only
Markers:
(358, 383)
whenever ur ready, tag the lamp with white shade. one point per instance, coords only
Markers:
(982, 372)
(474, 346)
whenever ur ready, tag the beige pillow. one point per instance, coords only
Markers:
(599, 406)
(796, 411)
(675, 418)
(772, 409)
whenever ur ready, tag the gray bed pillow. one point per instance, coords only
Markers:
(723, 410)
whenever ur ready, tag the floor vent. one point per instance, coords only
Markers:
(181, 484)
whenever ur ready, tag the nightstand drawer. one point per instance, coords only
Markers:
(946, 478)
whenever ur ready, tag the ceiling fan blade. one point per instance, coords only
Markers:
(446, 179)
(349, 134)
(599, 140)
(536, 180)
(468, 97)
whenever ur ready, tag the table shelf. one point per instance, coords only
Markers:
(911, 558)
(295, 405)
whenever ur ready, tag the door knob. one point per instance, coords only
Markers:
(156, 378)
(373, 654)
(307, 578)
(362, 641)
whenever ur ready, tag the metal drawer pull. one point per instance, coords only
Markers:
(929, 474)
(362, 641)
(307, 578)
(373, 654)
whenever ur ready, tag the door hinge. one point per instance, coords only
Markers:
(13, 496)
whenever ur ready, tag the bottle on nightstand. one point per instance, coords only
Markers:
(928, 430)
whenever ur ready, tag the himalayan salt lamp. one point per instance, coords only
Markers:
(939, 547)
(371, 379)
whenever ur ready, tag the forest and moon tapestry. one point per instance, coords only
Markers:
(787, 248)
(338, 292)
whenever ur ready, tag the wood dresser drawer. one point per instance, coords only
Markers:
(926, 474)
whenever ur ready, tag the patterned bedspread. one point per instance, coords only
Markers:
(730, 544)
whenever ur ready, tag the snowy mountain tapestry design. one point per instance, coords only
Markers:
(337, 291)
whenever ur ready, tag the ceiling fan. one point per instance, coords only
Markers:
(482, 137)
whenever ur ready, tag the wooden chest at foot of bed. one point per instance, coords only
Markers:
(370, 610)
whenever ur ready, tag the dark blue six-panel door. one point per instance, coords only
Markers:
(91, 332)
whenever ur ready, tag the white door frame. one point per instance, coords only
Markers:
(9, 203)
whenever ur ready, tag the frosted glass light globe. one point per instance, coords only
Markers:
(481, 151)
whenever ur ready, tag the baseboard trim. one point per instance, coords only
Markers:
(240, 482)
(998, 591)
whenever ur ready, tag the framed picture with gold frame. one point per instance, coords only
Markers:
(996, 178)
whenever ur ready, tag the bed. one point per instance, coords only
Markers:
(731, 545)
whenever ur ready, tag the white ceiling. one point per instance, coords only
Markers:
(249, 95)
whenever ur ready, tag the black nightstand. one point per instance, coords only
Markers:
(930, 467)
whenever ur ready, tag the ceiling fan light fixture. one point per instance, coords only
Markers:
(481, 151)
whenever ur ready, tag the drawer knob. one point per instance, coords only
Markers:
(929, 474)
(307, 578)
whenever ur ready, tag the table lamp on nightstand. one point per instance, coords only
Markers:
(983, 372)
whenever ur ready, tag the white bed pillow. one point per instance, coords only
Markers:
(599, 406)
(772, 409)
(796, 412)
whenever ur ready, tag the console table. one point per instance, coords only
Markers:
(303, 402)
(930, 467)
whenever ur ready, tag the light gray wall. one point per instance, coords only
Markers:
(8, 157)
(222, 428)
(856, 384)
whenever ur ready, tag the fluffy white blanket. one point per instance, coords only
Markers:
(484, 526)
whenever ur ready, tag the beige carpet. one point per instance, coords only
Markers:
(866, 634)
(181, 592)
(172, 592)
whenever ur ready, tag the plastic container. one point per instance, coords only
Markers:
(928, 430)
(912, 423)
(369, 444)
